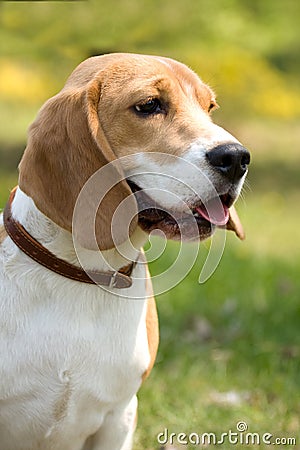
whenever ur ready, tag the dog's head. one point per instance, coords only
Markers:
(153, 115)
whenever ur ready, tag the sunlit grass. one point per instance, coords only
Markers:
(7, 182)
(230, 348)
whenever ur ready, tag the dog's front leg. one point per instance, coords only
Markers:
(117, 430)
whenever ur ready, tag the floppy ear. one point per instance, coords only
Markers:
(66, 146)
(234, 224)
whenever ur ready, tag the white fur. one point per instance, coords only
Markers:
(72, 355)
(174, 181)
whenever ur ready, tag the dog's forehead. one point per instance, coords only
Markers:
(189, 81)
(120, 68)
(153, 69)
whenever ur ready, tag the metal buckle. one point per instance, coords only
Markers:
(112, 282)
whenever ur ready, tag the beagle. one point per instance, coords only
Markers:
(74, 354)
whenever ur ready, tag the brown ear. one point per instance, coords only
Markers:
(66, 146)
(234, 224)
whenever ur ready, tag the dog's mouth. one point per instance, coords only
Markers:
(198, 221)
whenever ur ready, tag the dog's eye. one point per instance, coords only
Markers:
(151, 106)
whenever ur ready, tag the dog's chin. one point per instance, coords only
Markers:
(175, 225)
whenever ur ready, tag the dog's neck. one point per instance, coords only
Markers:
(60, 241)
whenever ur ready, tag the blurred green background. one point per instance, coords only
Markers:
(230, 349)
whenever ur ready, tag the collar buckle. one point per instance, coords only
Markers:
(113, 281)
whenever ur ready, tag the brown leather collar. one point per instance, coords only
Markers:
(118, 279)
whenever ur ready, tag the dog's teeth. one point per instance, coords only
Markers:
(196, 214)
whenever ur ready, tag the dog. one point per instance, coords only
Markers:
(76, 344)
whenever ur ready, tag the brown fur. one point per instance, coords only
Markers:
(63, 154)
(234, 224)
(152, 333)
(152, 327)
(76, 132)
(92, 122)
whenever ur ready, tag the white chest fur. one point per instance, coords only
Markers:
(70, 353)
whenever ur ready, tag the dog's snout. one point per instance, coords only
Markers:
(231, 160)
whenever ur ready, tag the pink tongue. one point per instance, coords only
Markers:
(214, 211)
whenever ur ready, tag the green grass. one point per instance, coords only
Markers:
(7, 181)
(237, 333)
(230, 348)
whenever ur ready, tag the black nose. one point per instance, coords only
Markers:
(230, 159)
